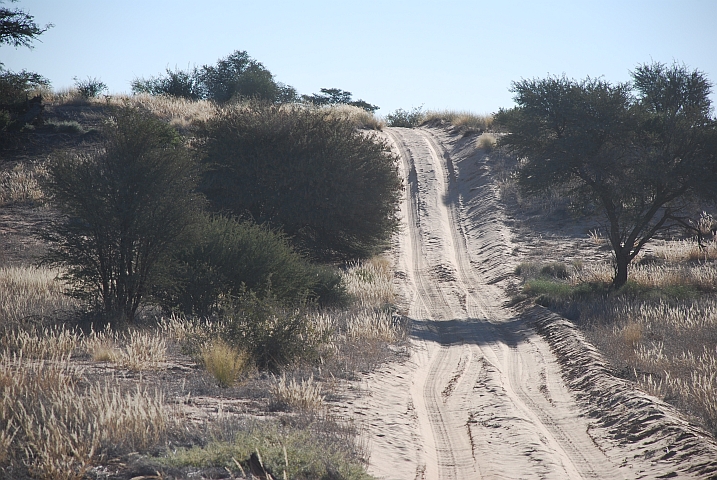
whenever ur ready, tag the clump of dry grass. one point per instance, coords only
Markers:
(135, 350)
(224, 362)
(304, 395)
(487, 142)
(20, 184)
(179, 112)
(31, 294)
(56, 426)
(42, 343)
(685, 251)
(359, 117)
(467, 121)
(371, 283)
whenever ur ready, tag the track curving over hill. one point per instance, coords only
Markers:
(482, 394)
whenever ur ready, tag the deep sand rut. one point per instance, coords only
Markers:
(481, 395)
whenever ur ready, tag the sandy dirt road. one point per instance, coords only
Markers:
(482, 395)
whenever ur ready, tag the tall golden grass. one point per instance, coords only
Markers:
(660, 331)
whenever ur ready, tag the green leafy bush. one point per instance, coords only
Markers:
(238, 76)
(124, 210)
(272, 333)
(177, 83)
(232, 257)
(90, 88)
(405, 118)
(333, 189)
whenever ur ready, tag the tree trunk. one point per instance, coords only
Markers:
(622, 260)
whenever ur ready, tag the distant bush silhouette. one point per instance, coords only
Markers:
(331, 188)
(335, 96)
(405, 118)
(234, 77)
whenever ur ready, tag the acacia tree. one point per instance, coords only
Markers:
(125, 209)
(18, 28)
(640, 151)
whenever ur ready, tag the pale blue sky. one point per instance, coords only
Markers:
(459, 55)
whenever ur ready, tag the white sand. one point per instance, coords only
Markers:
(482, 394)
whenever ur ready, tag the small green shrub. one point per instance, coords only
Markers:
(405, 118)
(272, 334)
(65, 126)
(90, 88)
(177, 83)
(318, 449)
(232, 257)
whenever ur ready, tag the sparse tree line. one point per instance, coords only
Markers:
(264, 192)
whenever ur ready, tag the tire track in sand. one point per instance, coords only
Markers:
(487, 394)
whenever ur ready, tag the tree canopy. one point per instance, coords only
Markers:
(641, 151)
(18, 28)
(333, 189)
(235, 76)
(336, 96)
(125, 209)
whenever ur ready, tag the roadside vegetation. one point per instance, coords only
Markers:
(656, 326)
(158, 324)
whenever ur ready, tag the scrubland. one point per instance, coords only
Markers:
(657, 331)
(175, 395)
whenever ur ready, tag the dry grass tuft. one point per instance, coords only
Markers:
(487, 142)
(42, 343)
(467, 121)
(20, 184)
(31, 294)
(371, 283)
(224, 362)
(57, 427)
(135, 350)
(179, 112)
(304, 395)
(359, 117)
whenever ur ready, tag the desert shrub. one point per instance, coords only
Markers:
(176, 83)
(405, 118)
(232, 257)
(331, 188)
(124, 210)
(17, 110)
(272, 334)
(16, 87)
(90, 88)
(238, 76)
